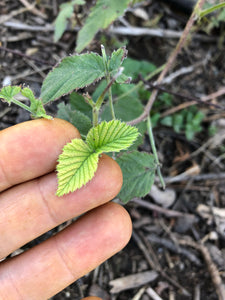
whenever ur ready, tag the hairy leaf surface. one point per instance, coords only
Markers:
(73, 72)
(138, 174)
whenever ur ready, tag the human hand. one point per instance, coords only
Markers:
(29, 208)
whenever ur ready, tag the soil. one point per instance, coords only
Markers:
(185, 242)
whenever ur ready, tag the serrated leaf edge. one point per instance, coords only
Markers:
(62, 187)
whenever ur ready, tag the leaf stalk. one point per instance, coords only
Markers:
(152, 142)
(108, 80)
(24, 106)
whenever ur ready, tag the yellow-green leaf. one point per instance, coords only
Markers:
(79, 160)
(77, 165)
(111, 136)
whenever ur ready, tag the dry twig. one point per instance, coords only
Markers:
(203, 100)
(165, 211)
(142, 247)
(215, 275)
(170, 62)
(163, 33)
(31, 8)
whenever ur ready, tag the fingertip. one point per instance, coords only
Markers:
(109, 177)
(34, 147)
(122, 223)
(70, 130)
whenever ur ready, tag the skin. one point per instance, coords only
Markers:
(29, 208)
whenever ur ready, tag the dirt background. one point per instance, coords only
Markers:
(182, 242)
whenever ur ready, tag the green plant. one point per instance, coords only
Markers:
(79, 159)
(188, 120)
(36, 107)
(212, 15)
(65, 13)
(95, 21)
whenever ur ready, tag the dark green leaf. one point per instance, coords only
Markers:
(138, 174)
(75, 117)
(78, 102)
(72, 73)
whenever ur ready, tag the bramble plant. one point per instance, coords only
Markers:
(79, 159)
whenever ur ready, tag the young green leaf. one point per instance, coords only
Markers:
(73, 72)
(79, 160)
(138, 174)
(36, 108)
(8, 92)
(117, 58)
(126, 109)
(115, 62)
(100, 17)
(111, 137)
(77, 165)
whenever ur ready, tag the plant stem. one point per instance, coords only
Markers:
(13, 100)
(211, 9)
(152, 142)
(95, 108)
(95, 113)
(108, 80)
(111, 99)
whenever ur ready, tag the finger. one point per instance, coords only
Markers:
(32, 208)
(30, 149)
(51, 266)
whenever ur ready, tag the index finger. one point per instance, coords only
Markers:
(30, 149)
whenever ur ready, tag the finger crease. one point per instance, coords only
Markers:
(61, 255)
(14, 287)
(3, 171)
(45, 201)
